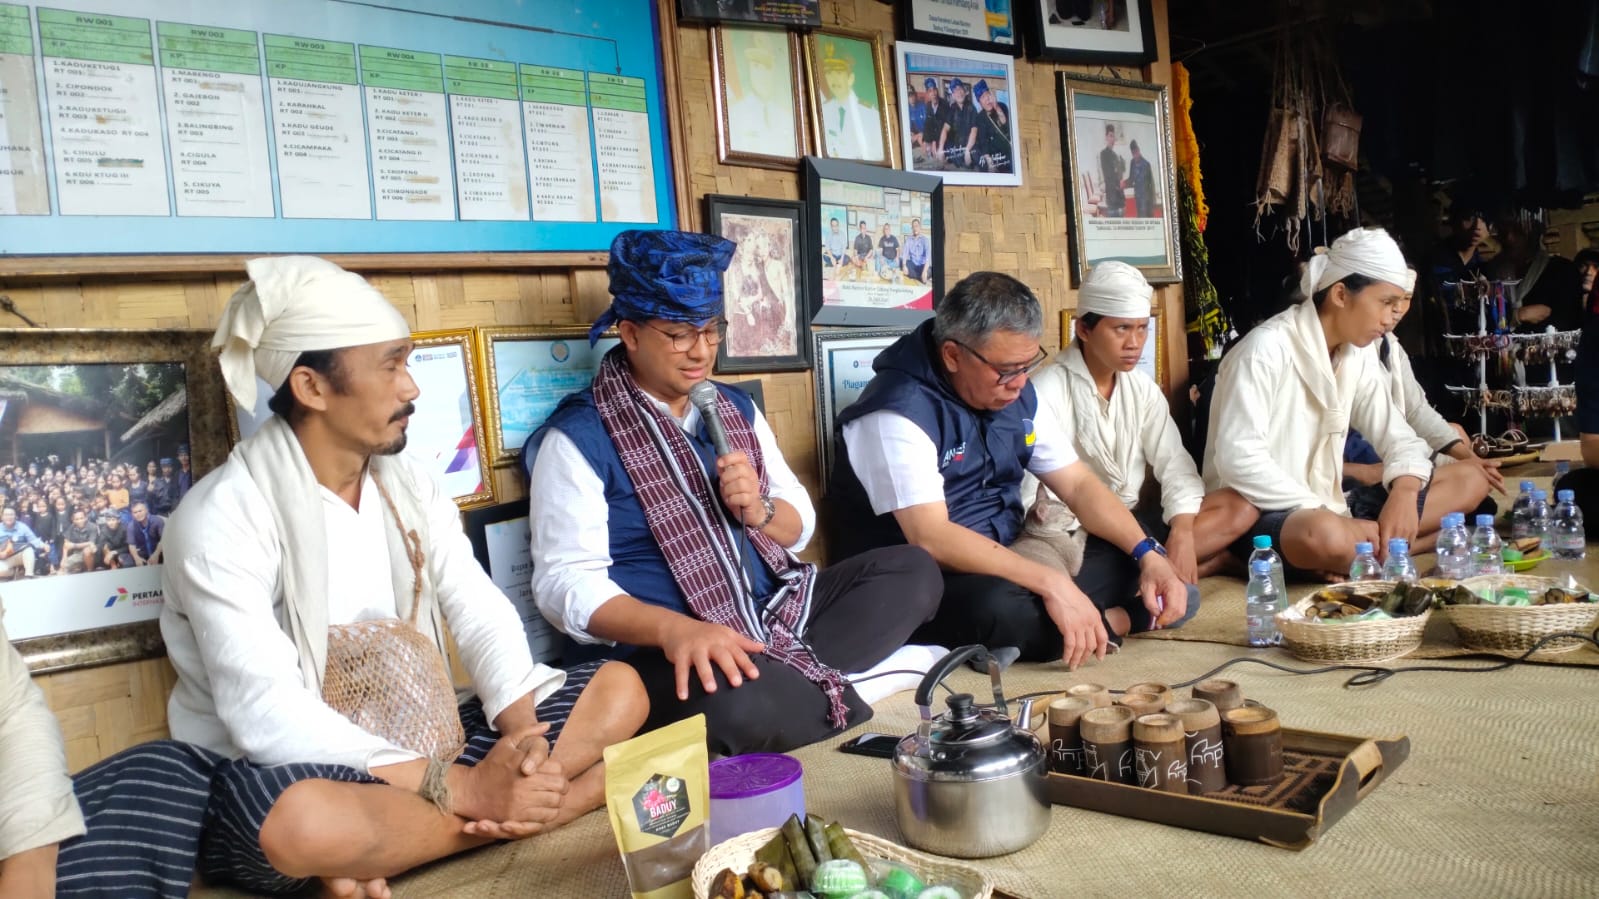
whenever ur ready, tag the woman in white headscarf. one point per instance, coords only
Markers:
(1286, 397)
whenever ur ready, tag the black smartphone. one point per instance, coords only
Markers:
(875, 745)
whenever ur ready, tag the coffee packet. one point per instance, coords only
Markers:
(658, 792)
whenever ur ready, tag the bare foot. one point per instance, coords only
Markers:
(1118, 620)
(350, 888)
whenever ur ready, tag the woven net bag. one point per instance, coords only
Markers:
(391, 681)
(390, 678)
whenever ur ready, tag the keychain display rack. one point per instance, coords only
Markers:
(1513, 356)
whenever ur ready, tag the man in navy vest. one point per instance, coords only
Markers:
(933, 455)
(680, 558)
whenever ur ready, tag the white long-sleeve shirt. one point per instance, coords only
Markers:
(1282, 411)
(1408, 397)
(37, 806)
(240, 691)
(570, 524)
(898, 464)
(1117, 437)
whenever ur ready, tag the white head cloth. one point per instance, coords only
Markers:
(1363, 251)
(1115, 290)
(1410, 281)
(290, 305)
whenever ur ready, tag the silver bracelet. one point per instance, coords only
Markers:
(435, 786)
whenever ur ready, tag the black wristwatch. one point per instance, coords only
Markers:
(771, 512)
(1145, 546)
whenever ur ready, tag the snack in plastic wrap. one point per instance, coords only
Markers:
(839, 879)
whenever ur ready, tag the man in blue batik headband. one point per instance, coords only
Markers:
(675, 276)
(654, 544)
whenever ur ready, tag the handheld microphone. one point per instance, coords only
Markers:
(703, 396)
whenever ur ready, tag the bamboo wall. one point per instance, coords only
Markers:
(1021, 231)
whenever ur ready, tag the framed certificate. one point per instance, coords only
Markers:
(525, 372)
(500, 541)
(843, 369)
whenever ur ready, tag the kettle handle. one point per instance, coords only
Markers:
(940, 670)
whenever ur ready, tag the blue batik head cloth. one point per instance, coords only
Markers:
(671, 275)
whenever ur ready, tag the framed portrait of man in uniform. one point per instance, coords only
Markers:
(848, 96)
(760, 109)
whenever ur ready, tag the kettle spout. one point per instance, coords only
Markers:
(1024, 715)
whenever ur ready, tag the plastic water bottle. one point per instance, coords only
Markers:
(1262, 602)
(1399, 567)
(1539, 516)
(1565, 531)
(1487, 552)
(1264, 553)
(1365, 567)
(1519, 511)
(1454, 548)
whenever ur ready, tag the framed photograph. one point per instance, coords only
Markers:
(1096, 32)
(1116, 147)
(1151, 362)
(760, 108)
(879, 257)
(793, 13)
(843, 369)
(958, 120)
(500, 540)
(524, 372)
(971, 24)
(445, 435)
(848, 96)
(766, 284)
(102, 433)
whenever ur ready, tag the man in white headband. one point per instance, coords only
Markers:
(314, 523)
(1286, 397)
(1119, 423)
(1447, 440)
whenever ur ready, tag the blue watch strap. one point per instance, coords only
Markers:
(1144, 546)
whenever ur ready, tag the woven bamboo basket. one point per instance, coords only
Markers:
(737, 853)
(1517, 628)
(1351, 641)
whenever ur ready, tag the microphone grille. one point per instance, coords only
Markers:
(703, 394)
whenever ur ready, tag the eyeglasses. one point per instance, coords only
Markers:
(683, 341)
(1006, 375)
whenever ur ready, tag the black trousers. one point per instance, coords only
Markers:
(983, 608)
(863, 609)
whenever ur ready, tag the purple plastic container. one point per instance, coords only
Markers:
(749, 792)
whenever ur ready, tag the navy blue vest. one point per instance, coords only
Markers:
(981, 455)
(637, 564)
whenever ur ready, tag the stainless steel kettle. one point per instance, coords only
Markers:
(968, 783)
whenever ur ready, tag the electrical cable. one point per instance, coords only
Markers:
(1368, 675)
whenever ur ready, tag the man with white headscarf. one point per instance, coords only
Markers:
(314, 524)
(1447, 440)
(1120, 424)
(1286, 397)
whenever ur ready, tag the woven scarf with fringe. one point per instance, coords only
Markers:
(685, 517)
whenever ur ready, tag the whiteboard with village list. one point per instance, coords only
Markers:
(329, 126)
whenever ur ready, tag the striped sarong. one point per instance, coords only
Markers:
(158, 810)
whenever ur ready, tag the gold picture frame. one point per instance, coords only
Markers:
(1157, 327)
(828, 44)
(1130, 216)
(439, 409)
(53, 619)
(523, 372)
(750, 122)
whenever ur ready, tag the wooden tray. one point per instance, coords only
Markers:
(1325, 775)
